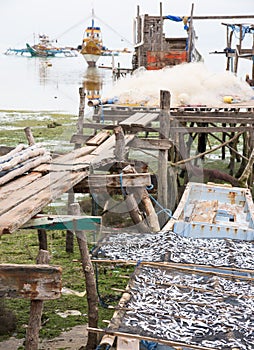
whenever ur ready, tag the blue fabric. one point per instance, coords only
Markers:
(149, 345)
(174, 18)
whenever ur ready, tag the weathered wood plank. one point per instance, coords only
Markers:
(98, 139)
(25, 193)
(19, 183)
(118, 180)
(67, 161)
(133, 119)
(81, 139)
(149, 143)
(146, 119)
(35, 282)
(25, 210)
(211, 129)
(215, 117)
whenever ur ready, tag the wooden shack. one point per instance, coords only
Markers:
(153, 50)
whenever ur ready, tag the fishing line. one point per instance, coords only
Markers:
(114, 31)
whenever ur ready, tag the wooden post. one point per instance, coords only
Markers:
(42, 237)
(69, 244)
(190, 35)
(163, 154)
(29, 136)
(36, 308)
(91, 292)
(82, 95)
(120, 144)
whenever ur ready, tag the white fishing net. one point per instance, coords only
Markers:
(188, 83)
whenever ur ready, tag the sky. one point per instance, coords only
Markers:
(65, 20)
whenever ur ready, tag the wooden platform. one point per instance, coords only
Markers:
(25, 196)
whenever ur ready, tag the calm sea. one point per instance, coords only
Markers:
(52, 84)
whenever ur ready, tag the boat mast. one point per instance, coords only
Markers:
(92, 33)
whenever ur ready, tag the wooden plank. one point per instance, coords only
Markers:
(149, 143)
(80, 139)
(146, 119)
(112, 117)
(67, 161)
(18, 183)
(63, 222)
(98, 139)
(133, 119)
(213, 129)
(34, 188)
(213, 116)
(117, 180)
(24, 211)
(99, 126)
(35, 282)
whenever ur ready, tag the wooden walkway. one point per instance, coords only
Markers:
(26, 196)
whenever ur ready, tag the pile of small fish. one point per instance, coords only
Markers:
(192, 307)
(171, 247)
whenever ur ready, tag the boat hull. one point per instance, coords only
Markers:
(91, 59)
(214, 211)
(91, 51)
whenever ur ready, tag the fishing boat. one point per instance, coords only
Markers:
(44, 48)
(214, 211)
(92, 47)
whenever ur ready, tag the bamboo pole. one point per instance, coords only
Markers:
(207, 152)
(113, 333)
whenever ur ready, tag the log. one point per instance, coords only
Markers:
(143, 195)
(17, 149)
(23, 169)
(22, 157)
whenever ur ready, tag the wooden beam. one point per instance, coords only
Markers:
(35, 282)
(148, 143)
(220, 17)
(118, 180)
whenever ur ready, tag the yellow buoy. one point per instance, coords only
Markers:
(228, 99)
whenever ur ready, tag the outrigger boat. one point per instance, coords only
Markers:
(44, 48)
(92, 47)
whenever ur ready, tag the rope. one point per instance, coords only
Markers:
(165, 210)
